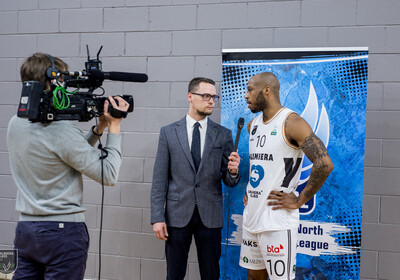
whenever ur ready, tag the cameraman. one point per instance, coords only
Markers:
(47, 162)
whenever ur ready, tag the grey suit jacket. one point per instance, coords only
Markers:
(176, 185)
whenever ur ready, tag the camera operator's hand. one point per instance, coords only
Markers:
(107, 120)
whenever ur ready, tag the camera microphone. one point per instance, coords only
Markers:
(114, 76)
(240, 125)
(119, 76)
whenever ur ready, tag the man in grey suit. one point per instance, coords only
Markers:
(193, 155)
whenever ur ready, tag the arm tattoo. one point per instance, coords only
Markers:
(314, 148)
(316, 151)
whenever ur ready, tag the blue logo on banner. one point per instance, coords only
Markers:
(320, 126)
(257, 174)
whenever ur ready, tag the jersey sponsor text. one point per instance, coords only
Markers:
(261, 156)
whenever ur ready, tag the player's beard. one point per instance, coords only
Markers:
(261, 103)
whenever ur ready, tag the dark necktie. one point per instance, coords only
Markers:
(196, 146)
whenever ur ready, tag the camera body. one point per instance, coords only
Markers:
(40, 105)
(37, 105)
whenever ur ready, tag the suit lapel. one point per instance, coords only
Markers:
(211, 135)
(181, 132)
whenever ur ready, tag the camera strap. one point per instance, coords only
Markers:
(117, 113)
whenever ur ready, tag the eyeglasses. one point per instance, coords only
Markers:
(207, 96)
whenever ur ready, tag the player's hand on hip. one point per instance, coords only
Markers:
(160, 230)
(281, 200)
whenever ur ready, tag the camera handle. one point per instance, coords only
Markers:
(116, 113)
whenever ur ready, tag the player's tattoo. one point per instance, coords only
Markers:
(316, 151)
(314, 148)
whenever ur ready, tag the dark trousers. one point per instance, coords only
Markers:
(51, 250)
(208, 245)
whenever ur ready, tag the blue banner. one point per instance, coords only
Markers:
(328, 88)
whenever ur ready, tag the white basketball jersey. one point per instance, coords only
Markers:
(275, 164)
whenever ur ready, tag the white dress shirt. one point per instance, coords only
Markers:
(202, 128)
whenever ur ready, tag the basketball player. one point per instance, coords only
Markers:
(278, 140)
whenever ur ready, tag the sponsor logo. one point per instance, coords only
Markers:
(8, 261)
(275, 250)
(254, 130)
(274, 131)
(250, 243)
(252, 261)
(257, 174)
(259, 156)
(254, 193)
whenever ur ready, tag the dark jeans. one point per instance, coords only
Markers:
(51, 250)
(208, 245)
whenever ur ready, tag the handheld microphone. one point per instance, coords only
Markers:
(240, 125)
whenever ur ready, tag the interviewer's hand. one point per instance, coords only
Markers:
(233, 164)
(160, 230)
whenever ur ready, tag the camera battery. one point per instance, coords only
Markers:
(30, 99)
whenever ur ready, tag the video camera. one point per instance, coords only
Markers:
(39, 105)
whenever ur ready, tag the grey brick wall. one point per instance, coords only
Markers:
(173, 41)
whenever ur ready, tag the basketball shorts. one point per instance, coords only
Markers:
(274, 251)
